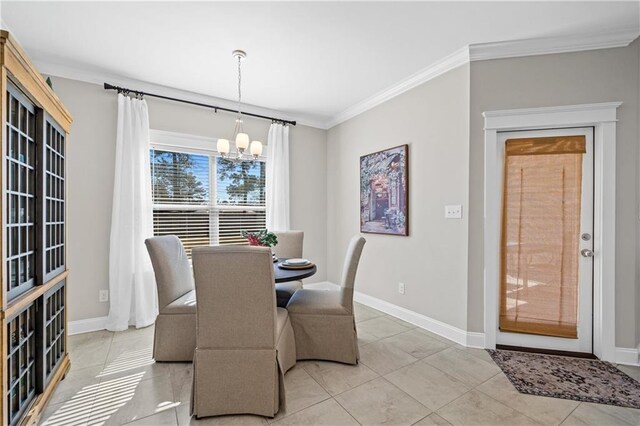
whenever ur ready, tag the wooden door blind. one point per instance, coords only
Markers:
(540, 235)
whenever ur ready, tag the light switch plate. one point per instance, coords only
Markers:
(453, 212)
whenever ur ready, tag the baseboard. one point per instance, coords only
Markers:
(475, 339)
(628, 356)
(462, 337)
(87, 325)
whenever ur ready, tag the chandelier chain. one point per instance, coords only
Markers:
(239, 85)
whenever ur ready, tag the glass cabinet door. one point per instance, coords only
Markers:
(20, 178)
(53, 196)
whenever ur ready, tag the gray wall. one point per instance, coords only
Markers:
(564, 79)
(90, 165)
(432, 262)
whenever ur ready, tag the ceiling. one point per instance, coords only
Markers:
(309, 60)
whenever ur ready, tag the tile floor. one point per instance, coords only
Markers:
(406, 376)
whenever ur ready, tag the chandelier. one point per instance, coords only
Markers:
(240, 138)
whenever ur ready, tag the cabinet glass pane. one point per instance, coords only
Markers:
(54, 317)
(20, 161)
(21, 362)
(54, 204)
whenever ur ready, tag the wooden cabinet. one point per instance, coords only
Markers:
(33, 336)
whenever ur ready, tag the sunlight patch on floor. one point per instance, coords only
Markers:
(94, 404)
(128, 361)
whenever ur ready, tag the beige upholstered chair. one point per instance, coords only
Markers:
(289, 246)
(244, 344)
(175, 332)
(323, 321)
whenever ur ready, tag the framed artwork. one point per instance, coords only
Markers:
(384, 184)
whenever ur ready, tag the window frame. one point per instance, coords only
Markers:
(199, 145)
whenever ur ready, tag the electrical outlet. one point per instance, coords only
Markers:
(401, 288)
(103, 296)
(453, 212)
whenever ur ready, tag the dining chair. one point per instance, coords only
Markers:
(323, 321)
(289, 246)
(175, 330)
(244, 343)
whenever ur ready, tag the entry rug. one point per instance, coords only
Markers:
(586, 380)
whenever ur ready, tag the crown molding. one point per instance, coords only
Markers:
(98, 77)
(487, 51)
(448, 63)
(551, 45)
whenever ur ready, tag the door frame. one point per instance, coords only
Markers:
(602, 117)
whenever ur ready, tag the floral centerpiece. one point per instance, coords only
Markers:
(262, 238)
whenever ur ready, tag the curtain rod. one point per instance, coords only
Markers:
(108, 86)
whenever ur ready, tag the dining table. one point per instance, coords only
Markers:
(285, 275)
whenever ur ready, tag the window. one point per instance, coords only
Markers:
(203, 198)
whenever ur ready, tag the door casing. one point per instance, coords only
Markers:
(602, 117)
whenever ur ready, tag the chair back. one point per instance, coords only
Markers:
(174, 277)
(349, 271)
(351, 261)
(236, 297)
(289, 244)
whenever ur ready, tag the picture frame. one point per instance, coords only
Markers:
(384, 191)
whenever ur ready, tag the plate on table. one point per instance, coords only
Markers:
(285, 265)
(296, 262)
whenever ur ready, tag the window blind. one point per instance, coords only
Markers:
(205, 199)
(540, 236)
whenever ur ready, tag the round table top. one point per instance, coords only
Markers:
(286, 275)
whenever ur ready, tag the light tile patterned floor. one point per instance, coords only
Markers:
(406, 376)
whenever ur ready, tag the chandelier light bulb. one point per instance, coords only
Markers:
(223, 147)
(256, 149)
(242, 141)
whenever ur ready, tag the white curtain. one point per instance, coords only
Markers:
(277, 178)
(132, 285)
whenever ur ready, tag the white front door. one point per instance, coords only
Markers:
(546, 294)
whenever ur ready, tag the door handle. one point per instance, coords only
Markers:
(586, 253)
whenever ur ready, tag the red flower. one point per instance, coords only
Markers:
(253, 240)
